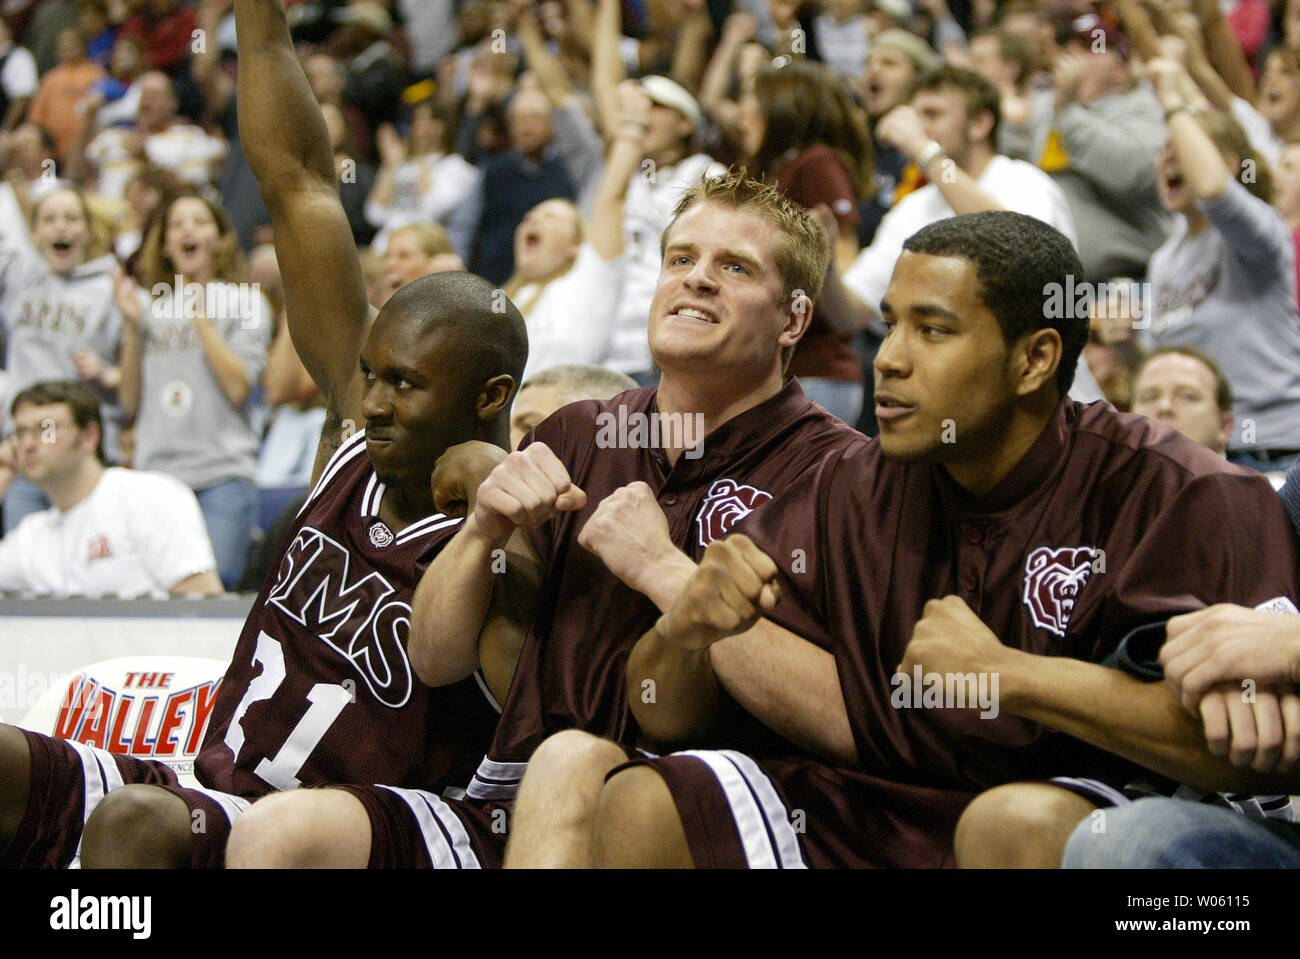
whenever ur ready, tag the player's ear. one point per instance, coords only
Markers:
(1038, 356)
(798, 318)
(494, 399)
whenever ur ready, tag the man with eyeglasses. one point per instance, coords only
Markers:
(111, 531)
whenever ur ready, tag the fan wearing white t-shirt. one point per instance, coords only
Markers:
(111, 531)
(948, 130)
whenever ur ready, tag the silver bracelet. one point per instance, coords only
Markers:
(928, 155)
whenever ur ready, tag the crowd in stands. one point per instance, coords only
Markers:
(505, 137)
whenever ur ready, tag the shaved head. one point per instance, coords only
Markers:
(473, 320)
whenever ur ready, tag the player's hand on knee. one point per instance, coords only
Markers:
(528, 488)
(629, 532)
(459, 472)
(734, 586)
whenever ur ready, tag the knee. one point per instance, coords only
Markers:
(573, 756)
(138, 827)
(637, 824)
(1018, 825)
(299, 830)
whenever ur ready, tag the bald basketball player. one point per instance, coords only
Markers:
(321, 687)
(982, 560)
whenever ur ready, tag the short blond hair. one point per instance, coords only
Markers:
(804, 251)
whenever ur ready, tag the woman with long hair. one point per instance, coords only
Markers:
(1224, 280)
(806, 136)
(194, 344)
(59, 320)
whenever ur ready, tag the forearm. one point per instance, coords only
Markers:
(225, 363)
(14, 115)
(607, 70)
(842, 309)
(273, 87)
(717, 76)
(959, 188)
(1143, 722)
(673, 692)
(129, 386)
(692, 51)
(450, 606)
(548, 69)
(206, 583)
(381, 194)
(606, 233)
(1139, 28)
(1200, 160)
(1225, 51)
(790, 685)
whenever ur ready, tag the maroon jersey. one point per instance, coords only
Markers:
(320, 689)
(572, 668)
(1110, 522)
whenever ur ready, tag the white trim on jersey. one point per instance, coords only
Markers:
(100, 776)
(430, 524)
(445, 837)
(487, 693)
(230, 805)
(369, 509)
(1096, 788)
(348, 449)
(768, 838)
(494, 780)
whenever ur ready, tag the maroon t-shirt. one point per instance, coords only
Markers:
(1110, 522)
(572, 668)
(818, 176)
(320, 689)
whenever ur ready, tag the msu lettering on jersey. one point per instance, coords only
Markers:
(320, 689)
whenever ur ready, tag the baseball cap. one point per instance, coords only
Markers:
(910, 45)
(669, 93)
(898, 9)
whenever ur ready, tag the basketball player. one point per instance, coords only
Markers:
(320, 688)
(987, 554)
(577, 543)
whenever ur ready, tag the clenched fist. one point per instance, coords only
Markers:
(950, 638)
(629, 533)
(527, 488)
(733, 587)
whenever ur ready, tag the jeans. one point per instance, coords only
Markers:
(23, 497)
(841, 399)
(231, 511)
(1177, 834)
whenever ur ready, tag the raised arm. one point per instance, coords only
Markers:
(288, 148)
(606, 64)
